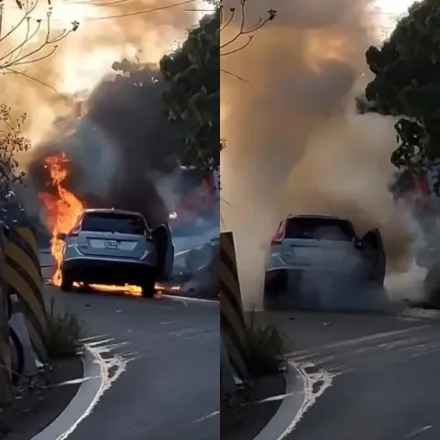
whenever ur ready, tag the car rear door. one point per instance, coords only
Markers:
(375, 252)
(165, 250)
(318, 243)
(114, 235)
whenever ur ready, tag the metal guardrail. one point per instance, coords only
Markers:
(5, 349)
(22, 276)
(233, 329)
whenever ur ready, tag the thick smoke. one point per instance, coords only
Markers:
(122, 150)
(295, 143)
(108, 31)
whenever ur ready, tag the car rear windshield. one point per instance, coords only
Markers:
(319, 229)
(107, 222)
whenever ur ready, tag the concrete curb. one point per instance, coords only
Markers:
(284, 420)
(83, 402)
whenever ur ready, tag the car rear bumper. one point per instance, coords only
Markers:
(108, 271)
(308, 289)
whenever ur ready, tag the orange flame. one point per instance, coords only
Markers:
(63, 210)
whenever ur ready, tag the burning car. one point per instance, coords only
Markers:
(109, 246)
(310, 254)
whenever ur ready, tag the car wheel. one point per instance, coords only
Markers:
(269, 304)
(148, 287)
(66, 283)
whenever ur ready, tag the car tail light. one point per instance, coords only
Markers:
(277, 238)
(74, 232)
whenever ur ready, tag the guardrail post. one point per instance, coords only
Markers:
(5, 349)
(233, 329)
(23, 278)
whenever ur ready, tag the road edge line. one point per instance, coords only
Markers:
(183, 298)
(293, 402)
(82, 403)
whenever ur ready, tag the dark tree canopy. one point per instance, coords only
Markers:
(407, 85)
(192, 91)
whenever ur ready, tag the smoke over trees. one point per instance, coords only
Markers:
(192, 91)
(406, 83)
(22, 47)
(123, 149)
(123, 138)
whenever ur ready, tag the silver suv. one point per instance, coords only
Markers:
(109, 246)
(311, 253)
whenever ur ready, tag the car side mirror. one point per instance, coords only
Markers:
(62, 236)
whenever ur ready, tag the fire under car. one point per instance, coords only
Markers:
(110, 246)
(319, 263)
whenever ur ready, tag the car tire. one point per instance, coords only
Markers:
(148, 287)
(269, 304)
(66, 283)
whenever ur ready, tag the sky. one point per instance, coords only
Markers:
(389, 11)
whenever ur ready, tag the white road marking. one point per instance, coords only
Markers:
(310, 397)
(309, 353)
(299, 397)
(99, 374)
(418, 431)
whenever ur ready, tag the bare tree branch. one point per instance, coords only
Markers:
(11, 71)
(242, 30)
(234, 75)
(38, 43)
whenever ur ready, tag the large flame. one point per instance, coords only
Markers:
(63, 209)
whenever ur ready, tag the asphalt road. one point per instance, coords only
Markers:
(169, 389)
(386, 376)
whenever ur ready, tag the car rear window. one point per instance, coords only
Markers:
(122, 223)
(319, 229)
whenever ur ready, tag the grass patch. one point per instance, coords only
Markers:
(65, 331)
(266, 349)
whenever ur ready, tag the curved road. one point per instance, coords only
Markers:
(170, 387)
(386, 375)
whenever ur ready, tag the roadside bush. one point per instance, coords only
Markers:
(65, 331)
(266, 349)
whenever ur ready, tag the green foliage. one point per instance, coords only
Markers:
(65, 331)
(266, 349)
(192, 91)
(407, 84)
(12, 143)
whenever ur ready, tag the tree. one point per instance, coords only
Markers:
(39, 40)
(234, 43)
(12, 143)
(243, 32)
(192, 91)
(407, 85)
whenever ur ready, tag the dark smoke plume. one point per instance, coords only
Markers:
(123, 136)
(120, 148)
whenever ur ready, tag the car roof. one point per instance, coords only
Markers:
(112, 211)
(316, 216)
